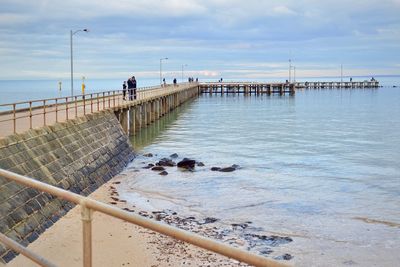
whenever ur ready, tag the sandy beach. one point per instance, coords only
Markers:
(115, 243)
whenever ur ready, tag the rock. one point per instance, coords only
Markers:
(200, 164)
(163, 173)
(235, 166)
(187, 163)
(227, 169)
(150, 165)
(210, 220)
(158, 168)
(166, 162)
(149, 155)
(173, 156)
(214, 169)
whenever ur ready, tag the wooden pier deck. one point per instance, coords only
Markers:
(22, 116)
(278, 88)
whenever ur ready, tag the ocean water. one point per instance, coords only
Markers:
(23, 90)
(322, 167)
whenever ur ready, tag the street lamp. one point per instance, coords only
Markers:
(184, 65)
(72, 33)
(161, 59)
(290, 70)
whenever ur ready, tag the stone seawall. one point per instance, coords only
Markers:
(79, 155)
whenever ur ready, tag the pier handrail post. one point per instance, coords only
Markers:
(56, 110)
(30, 114)
(84, 104)
(66, 108)
(91, 103)
(76, 107)
(44, 112)
(14, 118)
(86, 217)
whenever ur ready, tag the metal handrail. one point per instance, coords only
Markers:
(89, 205)
(69, 106)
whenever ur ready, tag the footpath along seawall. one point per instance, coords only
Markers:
(78, 155)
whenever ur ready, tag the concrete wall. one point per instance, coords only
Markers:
(79, 155)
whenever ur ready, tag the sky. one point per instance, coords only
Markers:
(252, 39)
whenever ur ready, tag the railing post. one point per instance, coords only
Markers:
(76, 107)
(98, 102)
(30, 114)
(56, 110)
(114, 99)
(84, 105)
(66, 108)
(91, 103)
(44, 112)
(14, 119)
(86, 216)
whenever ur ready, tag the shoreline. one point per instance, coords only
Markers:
(115, 243)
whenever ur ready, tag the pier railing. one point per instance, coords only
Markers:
(21, 116)
(88, 206)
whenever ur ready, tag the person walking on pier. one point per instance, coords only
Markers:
(130, 88)
(134, 87)
(174, 81)
(124, 90)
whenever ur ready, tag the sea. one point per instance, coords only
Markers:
(321, 167)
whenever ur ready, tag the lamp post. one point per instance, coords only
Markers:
(184, 65)
(290, 70)
(294, 73)
(161, 59)
(72, 33)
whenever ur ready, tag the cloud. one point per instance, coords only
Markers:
(233, 37)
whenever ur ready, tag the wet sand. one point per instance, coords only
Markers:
(115, 242)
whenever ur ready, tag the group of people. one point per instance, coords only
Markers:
(130, 84)
(191, 79)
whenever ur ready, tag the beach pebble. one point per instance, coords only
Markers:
(163, 173)
(187, 163)
(158, 168)
(227, 169)
(149, 155)
(173, 156)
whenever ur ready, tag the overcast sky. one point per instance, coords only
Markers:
(227, 38)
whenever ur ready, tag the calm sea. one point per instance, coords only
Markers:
(322, 166)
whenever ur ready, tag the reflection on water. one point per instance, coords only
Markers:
(148, 135)
(322, 167)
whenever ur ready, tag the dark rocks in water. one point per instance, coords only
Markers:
(214, 169)
(242, 225)
(210, 220)
(285, 257)
(266, 251)
(128, 209)
(227, 169)
(200, 164)
(150, 165)
(235, 166)
(166, 162)
(174, 156)
(158, 168)
(163, 173)
(148, 155)
(187, 163)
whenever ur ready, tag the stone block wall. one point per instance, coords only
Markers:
(79, 155)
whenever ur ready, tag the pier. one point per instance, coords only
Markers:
(278, 88)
